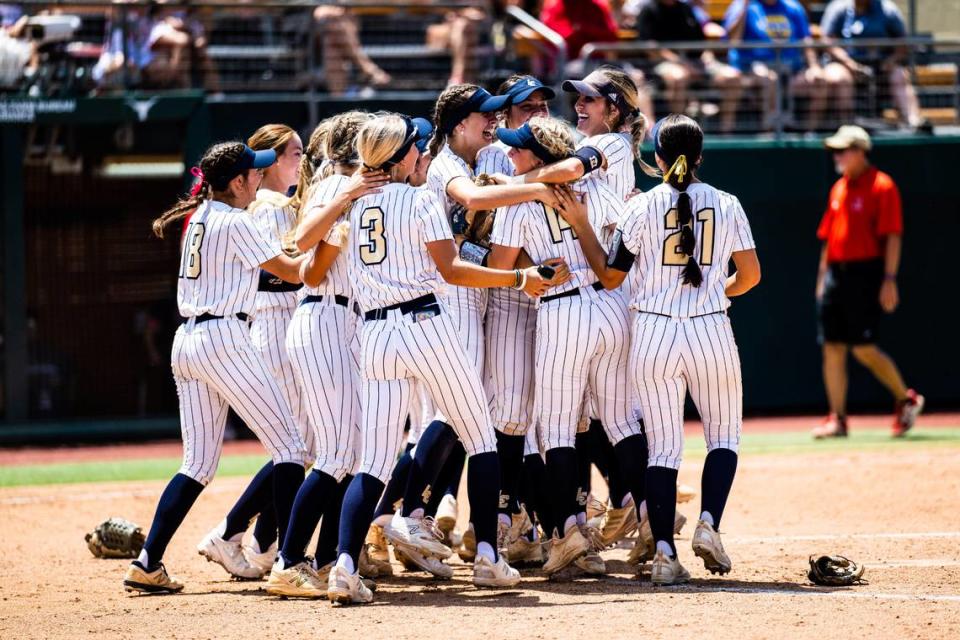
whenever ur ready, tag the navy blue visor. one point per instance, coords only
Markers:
(523, 138)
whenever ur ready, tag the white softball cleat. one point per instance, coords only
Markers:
(417, 561)
(344, 588)
(566, 550)
(709, 548)
(496, 575)
(299, 581)
(260, 560)
(618, 523)
(665, 571)
(447, 512)
(420, 535)
(228, 555)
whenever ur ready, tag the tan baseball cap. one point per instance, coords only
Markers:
(847, 136)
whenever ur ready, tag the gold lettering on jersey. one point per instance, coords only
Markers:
(673, 256)
(557, 225)
(190, 262)
(374, 251)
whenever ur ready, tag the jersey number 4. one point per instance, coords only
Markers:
(374, 250)
(190, 260)
(672, 255)
(557, 225)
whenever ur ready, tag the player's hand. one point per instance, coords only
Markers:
(633, 194)
(573, 208)
(536, 285)
(365, 183)
(500, 178)
(561, 271)
(889, 296)
(549, 195)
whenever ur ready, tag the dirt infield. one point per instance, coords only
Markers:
(893, 510)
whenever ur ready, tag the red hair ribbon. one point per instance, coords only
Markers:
(197, 173)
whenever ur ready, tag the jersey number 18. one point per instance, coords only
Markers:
(190, 260)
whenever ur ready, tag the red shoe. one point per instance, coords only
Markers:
(833, 427)
(906, 412)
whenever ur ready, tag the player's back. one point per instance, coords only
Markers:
(389, 262)
(222, 250)
(544, 234)
(651, 231)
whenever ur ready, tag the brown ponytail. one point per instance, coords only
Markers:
(214, 167)
(451, 98)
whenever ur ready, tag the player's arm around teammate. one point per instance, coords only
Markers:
(214, 362)
(401, 244)
(682, 236)
(569, 360)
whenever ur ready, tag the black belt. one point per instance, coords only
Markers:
(702, 315)
(343, 301)
(404, 307)
(209, 316)
(573, 292)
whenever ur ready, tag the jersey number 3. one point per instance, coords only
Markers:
(190, 260)
(374, 251)
(672, 255)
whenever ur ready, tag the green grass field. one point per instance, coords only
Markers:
(239, 465)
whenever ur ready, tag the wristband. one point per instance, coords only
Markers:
(590, 157)
(474, 253)
(521, 279)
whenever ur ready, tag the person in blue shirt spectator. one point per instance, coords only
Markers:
(782, 21)
(863, 19)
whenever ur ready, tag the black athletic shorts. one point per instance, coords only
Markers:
(850, 311)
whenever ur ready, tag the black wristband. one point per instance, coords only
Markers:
(591, 158)
(620, 258)
(474, 253)
(272, 284)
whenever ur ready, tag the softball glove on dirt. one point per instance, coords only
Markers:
(834, 571)
(115, 538)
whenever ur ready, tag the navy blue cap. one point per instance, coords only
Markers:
(527, 86)
(251, 159)
(596, 85)
(481, 101)
(523, 138)
(424, 131)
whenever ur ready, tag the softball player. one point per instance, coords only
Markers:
(274, 213)
(511, 323)
(321, 343)
(569, 362)
(463, 125)
(682, 236)
(214, 361)
(400, 246)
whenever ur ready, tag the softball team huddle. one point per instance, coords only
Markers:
(398, 296)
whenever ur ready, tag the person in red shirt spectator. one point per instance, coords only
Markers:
(857, 282)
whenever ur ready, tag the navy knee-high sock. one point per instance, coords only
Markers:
(265, 529)
(718, 471)
(308, 506)
(631, 465)
(357, 513)
(251, 502)
(175, 501)
(662, 503)
(483, 490)
(287, 478)
(326, 551)
(562, 477)
(393, 493)
(432, 451)
(510, 454)
(584, 456)
(449, 477)
(606, 460)
(535, 491)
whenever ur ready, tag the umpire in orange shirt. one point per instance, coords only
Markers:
(857, 281)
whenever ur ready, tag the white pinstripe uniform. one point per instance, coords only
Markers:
(583, 339)
(275, 310)
(390, 265)
(467, 305)
(214, 362)
(511, 330)
(682, 337)
(323, 348)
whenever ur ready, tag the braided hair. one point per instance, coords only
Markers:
(678, 140)
(452, 97)
(215, 175)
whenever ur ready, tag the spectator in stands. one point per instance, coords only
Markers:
(459, 33)
(16, 53)
(340, 41)
(863, 19)
(674, 21)
(583, 21)
(777, 21)
(122, 59)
